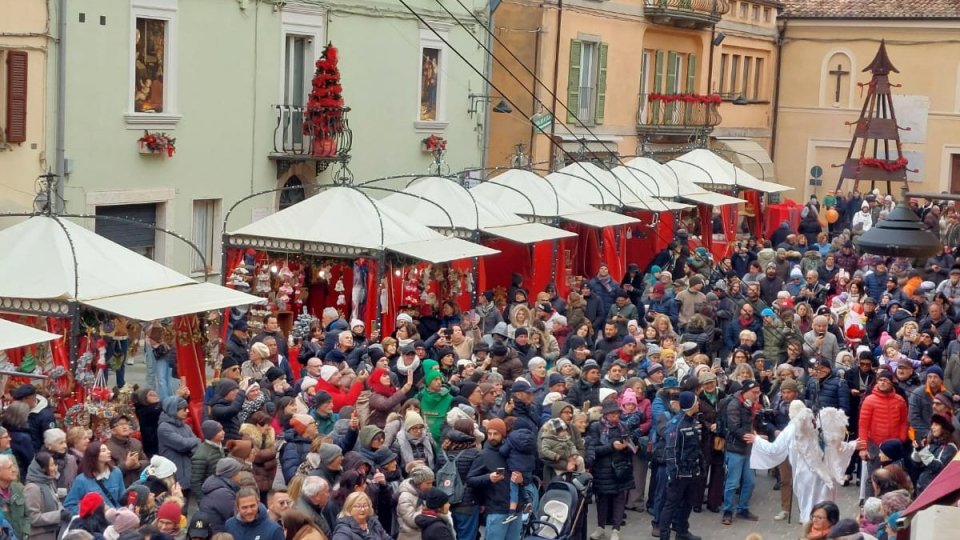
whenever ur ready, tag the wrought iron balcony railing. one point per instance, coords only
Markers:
(325, 136)
(686, 13)
(677, 112)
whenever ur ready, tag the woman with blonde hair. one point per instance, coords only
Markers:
(519, 317)
(664, 326)
(355, 521)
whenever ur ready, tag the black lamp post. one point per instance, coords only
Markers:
(900, 234)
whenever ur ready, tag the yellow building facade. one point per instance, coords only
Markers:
(619, 67)
(821, 92)
(24, 47)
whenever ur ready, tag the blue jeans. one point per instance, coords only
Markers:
(739, 474)
(118, 347)
(532, 496)
(467, 524)
(496, 530)
(660, 495)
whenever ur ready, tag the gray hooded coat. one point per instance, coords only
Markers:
(177, 440)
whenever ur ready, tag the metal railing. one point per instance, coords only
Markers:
(706, 7)
(326, 135)
(670, 110)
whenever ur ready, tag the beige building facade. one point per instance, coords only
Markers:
(619, 66)
(26, 149)
(821, 90)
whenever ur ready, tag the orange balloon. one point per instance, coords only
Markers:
(832, 215)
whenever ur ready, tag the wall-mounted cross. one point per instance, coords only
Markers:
(839, 72)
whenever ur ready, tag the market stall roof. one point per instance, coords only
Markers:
(49, 259)
(585, 181)
(345, 220)
(466, 211)
(13, 335)
(707, 168)
(527, 194)
(944, 485)
(671, 184)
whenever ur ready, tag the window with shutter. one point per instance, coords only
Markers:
(601, 82)
(673, 86)
(657, 84)
(691, 73)
(573, 82)
(16, 124)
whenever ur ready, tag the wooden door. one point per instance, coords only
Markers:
(955, 173)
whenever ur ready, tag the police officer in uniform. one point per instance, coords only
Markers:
(684, 463)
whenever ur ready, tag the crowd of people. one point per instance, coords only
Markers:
(659, 384)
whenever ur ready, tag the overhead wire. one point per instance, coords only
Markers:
(597, 158)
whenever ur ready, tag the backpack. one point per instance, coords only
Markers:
(448, 479)
(362, 407)
(722, 407)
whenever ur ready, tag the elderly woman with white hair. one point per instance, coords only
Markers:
(55, 442)
(256, 367)
(819, 342)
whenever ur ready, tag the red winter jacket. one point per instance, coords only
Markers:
(340, 398)
(882, 417)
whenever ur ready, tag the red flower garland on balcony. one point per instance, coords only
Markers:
(713, 99)
(889, 166)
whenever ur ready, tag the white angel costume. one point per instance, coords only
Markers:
(817, 471)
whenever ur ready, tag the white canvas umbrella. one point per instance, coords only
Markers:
(13, 335)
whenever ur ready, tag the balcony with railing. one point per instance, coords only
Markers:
(325, 138)
(686, 13)
(677, 114)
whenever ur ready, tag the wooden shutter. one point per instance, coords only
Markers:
(672, 73)
(601, 82)
(657, 85)
(573, 82)
(16, 96)
(691, 73)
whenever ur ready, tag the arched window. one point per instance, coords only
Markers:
(837, 80)
(293, 193)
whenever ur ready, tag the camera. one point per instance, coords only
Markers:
(767, 422)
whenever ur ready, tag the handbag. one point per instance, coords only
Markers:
(719, 444)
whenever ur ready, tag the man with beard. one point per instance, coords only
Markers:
(770, 284)
(604, 287)
(491, 485)
(607, 342)
(587, 389)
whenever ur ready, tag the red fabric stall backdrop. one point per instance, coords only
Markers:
(500, 267)
(543, 262)
(613, 251)
(645, 241)
(191, 365)
(755, 199)
(58, 352)
(775, 214)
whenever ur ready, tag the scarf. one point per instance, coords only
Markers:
(403, 369)
(606, 427)
(745, 322)
(406, 442)
(711, 397)
(374, 383)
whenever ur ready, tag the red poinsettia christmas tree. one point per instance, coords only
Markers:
(324, 116)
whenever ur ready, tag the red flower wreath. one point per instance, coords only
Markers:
(889, 166)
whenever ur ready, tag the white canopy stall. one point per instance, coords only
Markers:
(708, 169)
(527, 194)
(14, 335)
(584, 181)
(442, 204)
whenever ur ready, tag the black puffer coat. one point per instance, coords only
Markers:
(581, 392)
(612, 469)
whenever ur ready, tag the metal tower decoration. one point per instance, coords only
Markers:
(876, 154)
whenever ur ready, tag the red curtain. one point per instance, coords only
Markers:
(706, 225)
(754, 199)
(372, 306)
(498, 268)
(543, 262)
(611, 254)
(191, 365)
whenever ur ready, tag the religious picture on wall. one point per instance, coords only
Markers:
(149, 66)
(429, 80)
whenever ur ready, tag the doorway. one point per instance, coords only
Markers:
(954, 173)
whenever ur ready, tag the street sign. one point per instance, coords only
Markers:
(542, 121)
(816, 171)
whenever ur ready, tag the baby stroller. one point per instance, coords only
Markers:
(562, 509)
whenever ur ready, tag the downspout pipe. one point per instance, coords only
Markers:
(556, 75)
(488, 72)
(776, 92)
(61, 120)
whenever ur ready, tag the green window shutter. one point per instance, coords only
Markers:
(691, 73)
(657, 85)
(672, 73)
(601, 82)
(573, 82)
